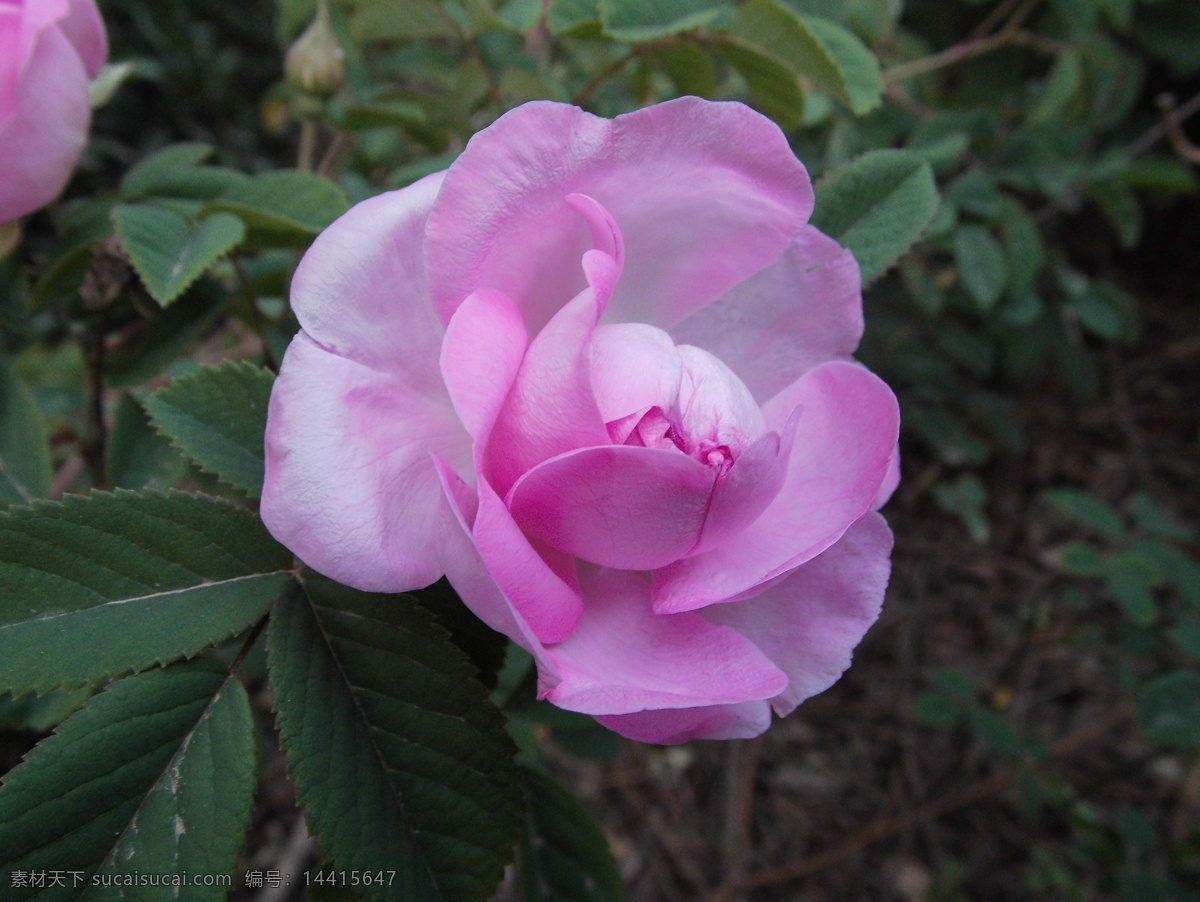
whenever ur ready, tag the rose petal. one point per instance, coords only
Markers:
(350, 487)
(671, 726)
(623, 658)
(633, 367)
(890, 482)
(361, 291)
(810, 622)
(846, 434)
(802, 311)
(714, 404)
(482, 352)
(706, 195)
(84, 28)
(41, 140)
(619, 506)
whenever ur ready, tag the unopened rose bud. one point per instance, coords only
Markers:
(316, 63)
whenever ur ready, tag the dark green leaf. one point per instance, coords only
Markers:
(1065, 79)
(992, 727)
(1186, 635)
(399, 758)
(564, 857)
(1087, 510)
(154, 776)
(981, 264)
(1024, 250)
(142, 579)
(25, 471)
(138, 456)
(936, 709)
(1169, 709)
(817, 49)
(1130, 580)
(217, 416)
(568, 17)
(648, 20)
(391, 20)
(691, 68)
(484, 646)
(774, 88)
(288, 208)
(877, 205)
(175, 171)
(170, 253)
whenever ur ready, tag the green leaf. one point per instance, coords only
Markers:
(937, 709)
(817, 49)
(691, 68)
(283, 209)
(25, 471)
(168, 252)
(1087, 510)
(1186, 635)
(774, 88)
(648, 20)
(398, 757)
(877, 205)
(175, 172)
(1169, 709)
(217, 417)
(138, 456)
(1156, 520)
(994, 729)
(142, 579)
(1130, 580)
(391, 20)
(570, 17)
(563, 856)
(981, 265)
(966, 498)
(154, 776)
(1024, 250)
(1065, 79)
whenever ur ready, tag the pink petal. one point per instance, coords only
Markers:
(846, 433)
(804, 310)
(550, 408)
(633, 367)
(623, 658)
(85, 29)
(482, 352)
(361, 291)
(706, 194)
(350, 487)
(810, 623)
(619, 506)
(538, 591)
(42, 138)
(714, 404)
(890, 482)
(751, 484)
(671, 726)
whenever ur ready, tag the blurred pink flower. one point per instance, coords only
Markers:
(598, 373)
(49, 49)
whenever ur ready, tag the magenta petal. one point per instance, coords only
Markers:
(361, 292)
(671, 726)
(706, 194)
(618, 505)
(623, 658)
(482, 352)
(85, 29)
(42, 138)
(802, 311)
(810, 622)
(845, 436)
(537, 591)
(751, 484)
(350, 486)
(550, 408)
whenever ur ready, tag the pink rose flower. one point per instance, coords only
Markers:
(598, 373)
(49, 49)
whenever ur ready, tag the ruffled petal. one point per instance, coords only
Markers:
(672, 726)
(846, 433)
(361, 291)
(810, 622)
(706, 194)
(623, 658)
(802, 311)
(619, 506)
(44, 135)
(350, 486)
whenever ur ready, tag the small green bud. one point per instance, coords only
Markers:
(316, 63)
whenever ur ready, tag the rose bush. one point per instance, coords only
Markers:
(49, 49)
(598, 373)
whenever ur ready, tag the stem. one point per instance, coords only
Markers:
(97, 431)
(255, 632)
(308, 144)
